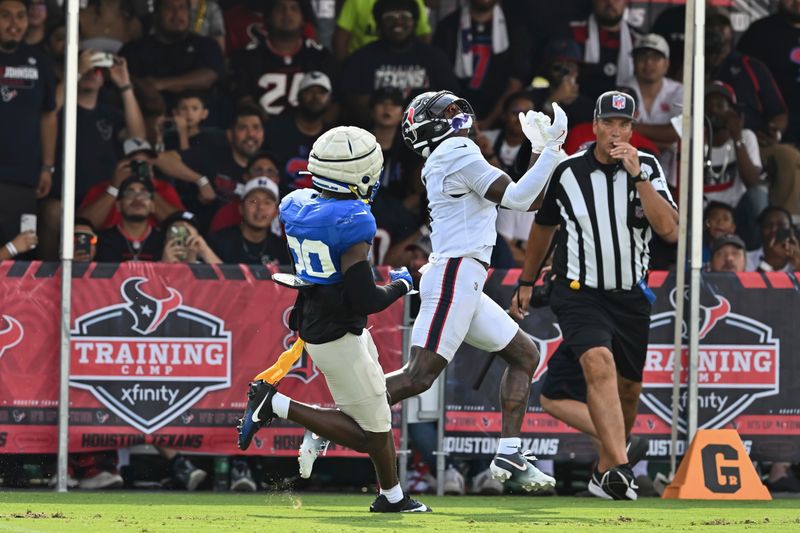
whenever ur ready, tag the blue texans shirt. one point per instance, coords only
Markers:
(319, 230)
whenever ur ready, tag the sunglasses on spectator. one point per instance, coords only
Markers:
(397, 16)
(129, 195)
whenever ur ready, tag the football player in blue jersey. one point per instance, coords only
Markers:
(329, 234)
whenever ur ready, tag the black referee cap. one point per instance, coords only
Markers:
(615, 104)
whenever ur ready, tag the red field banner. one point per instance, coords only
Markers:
(160, 354)
(748, 373)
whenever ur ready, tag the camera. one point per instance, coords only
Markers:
(783, 234)
(102, 60)
(140, 169)
(83, 242)
(168, 126)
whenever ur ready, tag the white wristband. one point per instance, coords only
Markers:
(407, 284)
(113, 191)
(203, 181)
(12, 250)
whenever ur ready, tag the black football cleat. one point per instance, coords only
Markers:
(406, 505)
(258, 412)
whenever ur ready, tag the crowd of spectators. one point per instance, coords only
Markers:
(194, 98)
(195, 117)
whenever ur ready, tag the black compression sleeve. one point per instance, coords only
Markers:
(363, 295)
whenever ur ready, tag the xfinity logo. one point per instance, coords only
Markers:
(150, 357)
(138, 393)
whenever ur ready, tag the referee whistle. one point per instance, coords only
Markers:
(575, 285)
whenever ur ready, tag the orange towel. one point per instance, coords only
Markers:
(276, 372)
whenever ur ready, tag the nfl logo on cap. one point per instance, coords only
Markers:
(615, 104)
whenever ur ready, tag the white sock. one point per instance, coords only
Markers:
(280, 405)
(640, 469)
(394, 495)
(547, 466)
(509, 445)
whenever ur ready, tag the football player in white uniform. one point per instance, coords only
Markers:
(464, 191)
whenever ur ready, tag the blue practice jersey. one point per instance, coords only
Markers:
(319, 230)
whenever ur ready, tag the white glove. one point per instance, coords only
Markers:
(556, 133)
(532, 130)
(538, 129)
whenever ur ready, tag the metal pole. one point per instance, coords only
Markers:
(698, 113)
(440, 453)
(683, 202)
(67, 229)
(403, 452)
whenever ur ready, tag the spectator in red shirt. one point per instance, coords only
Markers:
(133, 238)
(100, 205)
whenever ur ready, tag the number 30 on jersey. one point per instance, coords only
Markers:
(311, 257)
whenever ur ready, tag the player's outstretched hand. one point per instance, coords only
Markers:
(402, 274)
(555, 133)
(530, 123)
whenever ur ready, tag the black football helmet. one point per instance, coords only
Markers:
(424, 124)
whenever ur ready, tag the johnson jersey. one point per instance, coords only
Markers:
(456, 177)
(319, 230)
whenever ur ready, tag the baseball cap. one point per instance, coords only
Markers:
(720, 87)
(731, 238)
(563, 50)
(134, 145)
(130, 180)
(262, 183)
(613, 104)
(315, 77)
(652, 41)
(179, 216)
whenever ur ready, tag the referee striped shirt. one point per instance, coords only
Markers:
(604, 242)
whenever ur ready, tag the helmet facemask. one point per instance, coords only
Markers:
(432, 117)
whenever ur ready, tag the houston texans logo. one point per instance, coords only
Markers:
(408, 125)
(547, 348)
(101, 417)
(18, 415)
(410, 115)
(148, 312)
(11, 335)
(713, 314)
(187, 418)
(713, 308)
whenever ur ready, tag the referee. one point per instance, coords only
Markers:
(607, 200)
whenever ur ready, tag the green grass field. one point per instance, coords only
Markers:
(28, 511)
